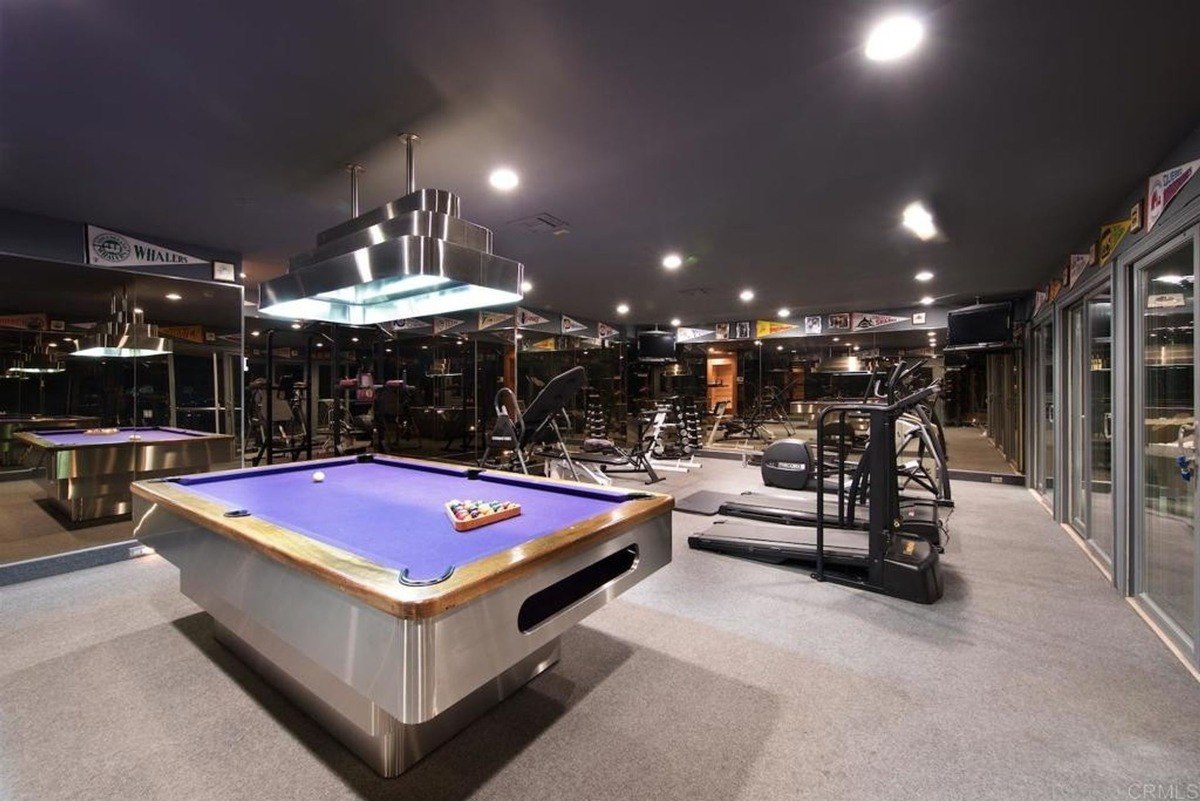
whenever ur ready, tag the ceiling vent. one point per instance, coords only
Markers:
(544, 223)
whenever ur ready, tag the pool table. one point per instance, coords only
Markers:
(356, 596)
(87, 474)
(11, 424)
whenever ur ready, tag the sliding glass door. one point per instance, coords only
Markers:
(1089, 408)
(1166, 570)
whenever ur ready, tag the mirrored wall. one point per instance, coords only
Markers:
(107, 377)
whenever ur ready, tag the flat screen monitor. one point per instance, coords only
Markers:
(985, 326)
(656, 346)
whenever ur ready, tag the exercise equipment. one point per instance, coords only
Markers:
(884, 558)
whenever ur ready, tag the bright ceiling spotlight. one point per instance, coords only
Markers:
(174, 296)
(296, 326)
(784, 312)
(676, 322)
(837, 339)
(254, 333)
(779, 347)
(919, 220)
(926, 301)
(622, 308)
(353, 339)
(503, 179)
(924, 276)
(672, 261)
(856, 348)
(747, 295)
(526, 287)
(894, 38)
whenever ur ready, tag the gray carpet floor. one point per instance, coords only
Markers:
(715, 679)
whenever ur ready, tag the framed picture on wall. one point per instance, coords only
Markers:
(224, 271)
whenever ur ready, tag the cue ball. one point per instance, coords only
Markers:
(318, 477)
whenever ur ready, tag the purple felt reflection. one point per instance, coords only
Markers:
(76, 438)
(393, 514)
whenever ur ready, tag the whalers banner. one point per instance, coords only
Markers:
(111, 249)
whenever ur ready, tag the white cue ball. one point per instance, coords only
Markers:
(318, 477)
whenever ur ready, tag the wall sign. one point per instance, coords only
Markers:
(224, 271)
(111, 249)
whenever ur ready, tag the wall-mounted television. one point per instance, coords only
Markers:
(984, 326)
(656, 346)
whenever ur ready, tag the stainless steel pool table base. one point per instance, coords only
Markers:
(391, 688)
(389, 746)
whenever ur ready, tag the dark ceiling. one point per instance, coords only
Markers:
(754, 138)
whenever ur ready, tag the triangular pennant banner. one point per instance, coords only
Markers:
(441, 324)
(1078, 263)
(605, 331)
(487, 319)
(766, 328)
(410, 324)
(569, 325)
(1164, 187)
(526, 318)
(1110, 239)
(862, 322)
(112, 249)
(688, 334)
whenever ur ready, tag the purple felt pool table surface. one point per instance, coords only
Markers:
(76, 439)
(392, 512)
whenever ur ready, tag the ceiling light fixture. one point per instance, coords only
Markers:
(919, 220)
(254, 333)
(503, 179)
(894, 38)
(672, 261)
(174, 296)
(747, 295)
(924, 276)
(837, 339)
(412, 257)
(526, 287)
(622, 308)
(676, 322)
(926, 301)
(123, 335)
(784, 312)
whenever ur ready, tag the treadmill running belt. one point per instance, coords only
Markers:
(781, 543)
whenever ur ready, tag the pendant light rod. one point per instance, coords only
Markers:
(355, 170)
(410, 171)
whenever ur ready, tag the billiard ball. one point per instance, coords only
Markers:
(318, 477)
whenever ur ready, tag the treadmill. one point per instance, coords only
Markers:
(882, 559)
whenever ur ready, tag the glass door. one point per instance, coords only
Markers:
(1043, 422)
(1089, 406)
(1164, 420)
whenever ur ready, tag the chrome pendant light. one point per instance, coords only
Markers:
(412, 257)
(125, 335)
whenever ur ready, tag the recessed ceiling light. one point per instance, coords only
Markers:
(622, 308)
(254, 333)
(926, 301)
(856, 348)
(747, 295)
(387, 350)
(676, 322)
(837, 339)
(526, 287)
(320, 344)
(779, 347)
(784, 312)
(503, 179)
(174, 296)
(52, 344)
(138, 311)
(242, 275)
(894, 38)
(919, 220)
(672, 261)
(353, 339)
(296, 326)
(924, 276)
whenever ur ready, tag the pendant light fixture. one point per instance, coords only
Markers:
(125, 335)
(412, 257)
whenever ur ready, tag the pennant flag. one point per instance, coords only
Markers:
(1110, 239)
(188, 333)
(487, 319)
(1039, 299)
(569, 325)
(526, 318)
(606, 331)
(443, 324)
(1052, 292)
(1164, 187)
(110, 249)
(689, 334)
(542, 344)
(862, 322)
(1077, 264)
(409, 324)
(24, 322)
(765, 328)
